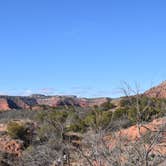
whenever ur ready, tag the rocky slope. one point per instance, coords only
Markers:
(33, 102)
(157, 91)
(149, 137)
(11, 146)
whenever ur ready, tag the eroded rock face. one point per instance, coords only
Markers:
(16, 102)
(4, 104)
(51, 101)
(34, 102)
(157, 91)
(71, 101)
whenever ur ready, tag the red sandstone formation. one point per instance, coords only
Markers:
(4, 105)
(34, 102)
(157, 91)
(134, 133)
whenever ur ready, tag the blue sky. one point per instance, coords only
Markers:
(81, 47)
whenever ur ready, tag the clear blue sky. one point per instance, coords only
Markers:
(82, 47)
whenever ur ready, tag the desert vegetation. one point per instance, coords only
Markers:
(127, 131)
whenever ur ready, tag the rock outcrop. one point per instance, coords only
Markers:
(134, 133)
(157, 91)
(4, 104)
(11, 146)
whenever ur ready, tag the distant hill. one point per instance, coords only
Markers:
(158, 91)
(33, 101)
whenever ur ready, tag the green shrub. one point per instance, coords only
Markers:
(120, 113)
(141, 108)
(78, 126)
(16, 130)
(98, 119)
(23, 132)
(52, 115)
(107, 106)
(132, 115)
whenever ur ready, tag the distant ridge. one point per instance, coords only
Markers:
(37, 100)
